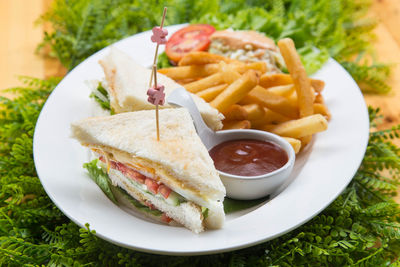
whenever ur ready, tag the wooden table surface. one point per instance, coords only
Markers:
(20, 38)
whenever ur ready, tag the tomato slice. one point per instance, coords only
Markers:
(164, 191)
(194, 37)
(151, 185)
(165, 218)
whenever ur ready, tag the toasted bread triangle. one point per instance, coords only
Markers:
(128, 83)
(179, 153)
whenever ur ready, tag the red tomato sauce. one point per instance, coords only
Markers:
(248, 157)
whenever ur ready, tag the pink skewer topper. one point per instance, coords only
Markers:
(159, 35)
(156, 95)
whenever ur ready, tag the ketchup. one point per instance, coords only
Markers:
(248, 157)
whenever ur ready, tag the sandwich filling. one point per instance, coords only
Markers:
(125, 177)
(154, 171)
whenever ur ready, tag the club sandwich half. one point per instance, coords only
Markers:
(127, 83)
(174, 176)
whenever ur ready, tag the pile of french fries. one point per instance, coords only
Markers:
(290, 105)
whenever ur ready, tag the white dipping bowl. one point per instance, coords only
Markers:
(253, 187)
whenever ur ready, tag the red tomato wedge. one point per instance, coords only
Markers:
(131, 173)
(151, 185)
(165, 218)
(194, 37)
(164, 191)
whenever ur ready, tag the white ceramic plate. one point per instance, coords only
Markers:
(320, 174)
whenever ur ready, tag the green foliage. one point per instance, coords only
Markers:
(335, 28)
(361, 227)
(371, 78)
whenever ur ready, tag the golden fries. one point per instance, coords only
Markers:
(290, 105)
(190, 72)
(302, 83)
(295, 143)
(278, 79)
(235, 113)
(282, 90)
(254, 112)
(236, 91)
(318, 85)
(244, 124)
(210, 81)
(230, 74)
(270, 117)
(300, 128)
(242, 68)
(305, 140)
(323, 110)
(210, 93)
(201, 58)
(272, 101)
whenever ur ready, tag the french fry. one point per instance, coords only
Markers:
(185, 81)
(295, 143)
(255, 112)
(323, 110)
(274, 117)
(270, 117)
(244, 124)
(277, 79)
(300, 127)
(305, 140)
(272, 101)
(200, 71)
(259, 66)
(201, 58)
(294, 100)
(282, 90)
(210, 93)
(235, 113)
(190, 72)
(318, 85)
(235, 91)
(230, 74)
(302, 83)
(226, 75)
(319, 99)
(210, 81)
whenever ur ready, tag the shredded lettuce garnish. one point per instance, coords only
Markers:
(204, 211)
(100, 95)
(163, 61)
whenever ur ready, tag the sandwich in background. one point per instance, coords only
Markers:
(174, 176)
(127, 84)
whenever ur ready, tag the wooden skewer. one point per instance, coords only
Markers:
(155, 86)
(156, 53)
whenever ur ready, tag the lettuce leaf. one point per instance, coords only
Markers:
(100, 178)
(101, 97)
